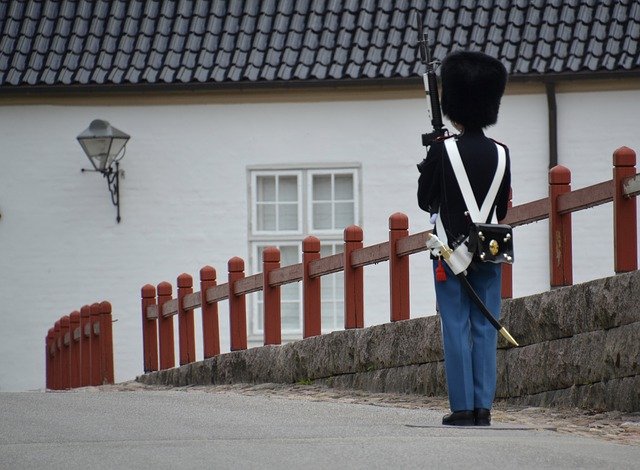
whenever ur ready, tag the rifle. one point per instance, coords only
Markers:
(431, 88)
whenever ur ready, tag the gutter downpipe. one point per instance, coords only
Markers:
(553, 123)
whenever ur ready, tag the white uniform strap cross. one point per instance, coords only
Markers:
(477, 214)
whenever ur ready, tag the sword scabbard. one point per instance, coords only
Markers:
(507, 336)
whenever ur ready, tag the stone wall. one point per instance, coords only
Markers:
(579, 346)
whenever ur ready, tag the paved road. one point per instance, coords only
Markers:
(196, 429)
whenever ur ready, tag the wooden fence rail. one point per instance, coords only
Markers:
(158, 310)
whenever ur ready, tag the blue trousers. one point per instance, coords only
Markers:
(468, 338)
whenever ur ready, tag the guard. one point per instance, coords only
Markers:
(472, 86)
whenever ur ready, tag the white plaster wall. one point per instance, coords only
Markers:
(592, 126)
(184, 201)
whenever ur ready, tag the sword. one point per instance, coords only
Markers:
(458, 266)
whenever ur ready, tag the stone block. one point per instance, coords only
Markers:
(621, 355)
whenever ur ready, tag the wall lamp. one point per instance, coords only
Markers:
(105, 147)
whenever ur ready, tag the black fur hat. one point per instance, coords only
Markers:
(472, 86)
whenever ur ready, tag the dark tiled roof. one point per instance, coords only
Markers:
(138, 42)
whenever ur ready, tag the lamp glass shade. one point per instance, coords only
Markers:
(102, 143)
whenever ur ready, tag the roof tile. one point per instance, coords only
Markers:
(181, 26)
(294, 40)
(298, 22)
(92, 44)
(336, 70)
(252, 73)
(11, 28)
(206, 59)
(252, 7)
(314, 22)
(189, 62)
(101, 9)
(285, 72)
(277, 41)
(49, 76)
(319, 71)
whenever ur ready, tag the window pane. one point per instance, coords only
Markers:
(266, 190)
(266, 214)
(290, 316)
(259, 316)
(322, 216)
(290, 292)
(321, 187)
(339, 309)
(332, 315)
(344, 214)
(289, 254)
(327, 288)
(288, 217)
(288, 188)
(326, 250)
(344, 187)
(328, 316)
(339, 285)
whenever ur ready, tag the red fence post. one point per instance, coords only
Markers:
(149, 329)
(74, 349)
(96, 340)
(237, 306)
(560, 248)
(210, 327)
(353, 280)
(625, 228)
(398, 269)
(64, 352)
(507, 269)
(57, 359)
(186, 327)
(311, 322)
(271, 297)
(165, 328)
(48, 356)
(85, 346)
(106, 344)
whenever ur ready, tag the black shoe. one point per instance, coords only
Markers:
(459, 418)
(482, 417)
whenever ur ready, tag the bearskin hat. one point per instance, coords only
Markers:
(472, 86)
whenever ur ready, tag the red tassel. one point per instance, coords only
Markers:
(441, 275)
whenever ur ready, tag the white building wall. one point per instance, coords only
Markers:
(184, 200)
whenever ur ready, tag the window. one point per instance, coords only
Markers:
(286, 206)
(276, 200)
(332, 201)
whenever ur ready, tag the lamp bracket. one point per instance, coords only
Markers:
(113, 184)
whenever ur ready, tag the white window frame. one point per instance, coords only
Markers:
(259, 238)
(309, 193)
(255, 174)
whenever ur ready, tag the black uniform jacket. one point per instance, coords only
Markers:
(438, 188)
